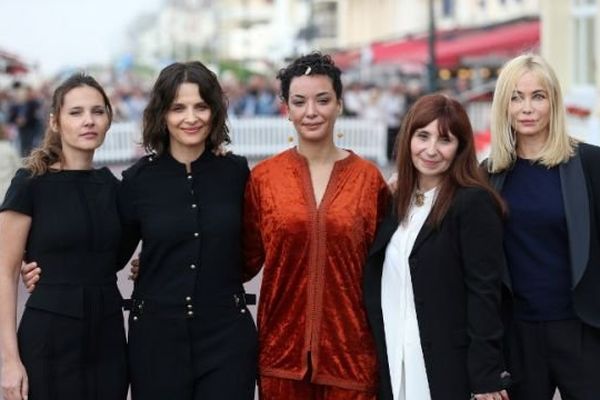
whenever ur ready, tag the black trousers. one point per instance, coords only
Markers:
(70, 359)
(555, 354)
(210, 356)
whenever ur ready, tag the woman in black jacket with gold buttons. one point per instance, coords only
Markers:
(190, 334)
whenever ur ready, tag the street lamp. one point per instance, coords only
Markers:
(431, 62)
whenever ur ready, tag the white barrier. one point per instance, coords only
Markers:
(256, 138)
(479, 113)
(121, 144)
(262, 137)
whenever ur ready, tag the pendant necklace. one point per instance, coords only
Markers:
(419, 198)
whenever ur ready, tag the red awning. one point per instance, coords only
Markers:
(346, 59)
(11, 64)
(505, 40)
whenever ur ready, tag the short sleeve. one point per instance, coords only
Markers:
(19, 196)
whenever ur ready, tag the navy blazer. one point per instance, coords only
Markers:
(456, 272)
(580, 185)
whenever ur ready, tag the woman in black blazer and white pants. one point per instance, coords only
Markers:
(433, 278)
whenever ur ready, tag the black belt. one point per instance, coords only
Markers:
(138, 307)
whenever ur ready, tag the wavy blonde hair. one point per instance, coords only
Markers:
(559, 147)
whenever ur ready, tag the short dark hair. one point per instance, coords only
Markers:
(155, 136)
(311, 64)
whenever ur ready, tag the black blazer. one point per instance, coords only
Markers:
(580, 185)
(456, 272)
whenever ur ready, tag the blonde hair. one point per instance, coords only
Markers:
(50, 151)
(559, 147)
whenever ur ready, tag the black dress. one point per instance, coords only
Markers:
(71, 336)
(190, 333)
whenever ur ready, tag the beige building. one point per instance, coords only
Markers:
(357, 23)
(253, 31)
(571, 43)
(181, 30)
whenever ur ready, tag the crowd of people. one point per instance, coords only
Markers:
(24, 107)
(455, 281)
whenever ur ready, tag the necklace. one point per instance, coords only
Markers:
(419, 198)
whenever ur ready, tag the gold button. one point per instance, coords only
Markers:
(190, 313)
(190, 306)
(193, 266)
(188, 298)
(196, 234)
(135, 318)
(194, 205)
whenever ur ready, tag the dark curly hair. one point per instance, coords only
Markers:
(155, 136)
(311, 64)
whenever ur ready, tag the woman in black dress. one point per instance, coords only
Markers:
(63, 214)
(190, 333)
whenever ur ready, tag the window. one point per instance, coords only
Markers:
(584, 36)
(325, 19)
(448, 8)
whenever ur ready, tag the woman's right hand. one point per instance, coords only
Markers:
(135, 269)
(501, 395)
(30, 275)
(15, 385)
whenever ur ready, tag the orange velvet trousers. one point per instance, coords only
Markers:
(270, 388)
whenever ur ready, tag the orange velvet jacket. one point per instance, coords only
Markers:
(311, 299)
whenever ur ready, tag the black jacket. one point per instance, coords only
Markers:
(456, 272)
(580, 184)
(190, 226)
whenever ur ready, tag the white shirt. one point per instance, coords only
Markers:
(405, 355)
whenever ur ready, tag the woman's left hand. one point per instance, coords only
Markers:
(392, 182)
(501, 395)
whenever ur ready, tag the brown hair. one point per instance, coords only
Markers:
(155, 136)
(463, 171)
(50, 151)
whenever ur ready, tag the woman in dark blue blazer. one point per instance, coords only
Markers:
(432, 283)
(551, 184)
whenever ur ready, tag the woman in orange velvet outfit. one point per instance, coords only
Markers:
(311, 213)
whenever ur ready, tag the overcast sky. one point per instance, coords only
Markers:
(62, 33)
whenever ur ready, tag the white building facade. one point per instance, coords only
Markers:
(571, 43)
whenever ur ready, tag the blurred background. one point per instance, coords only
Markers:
(391, 52)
